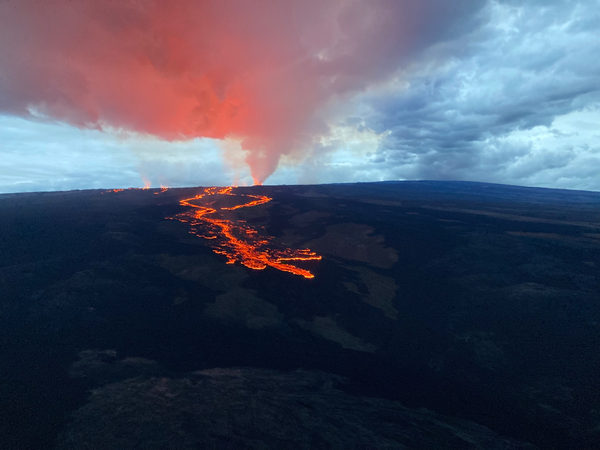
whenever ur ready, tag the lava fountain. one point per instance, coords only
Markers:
(235, 239)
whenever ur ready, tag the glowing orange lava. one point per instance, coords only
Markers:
(234, 239)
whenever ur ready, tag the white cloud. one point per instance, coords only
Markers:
(38, 156)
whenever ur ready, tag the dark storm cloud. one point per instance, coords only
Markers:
(530, 63)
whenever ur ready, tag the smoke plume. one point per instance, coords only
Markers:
(260, 71)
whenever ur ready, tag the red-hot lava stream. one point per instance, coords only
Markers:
(237, 241)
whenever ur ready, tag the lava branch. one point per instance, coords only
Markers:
(237, 241)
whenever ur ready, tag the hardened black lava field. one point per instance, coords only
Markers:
(441, 315)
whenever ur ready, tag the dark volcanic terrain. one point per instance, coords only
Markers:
(443, 315)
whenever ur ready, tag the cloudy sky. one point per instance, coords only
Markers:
(183, 93)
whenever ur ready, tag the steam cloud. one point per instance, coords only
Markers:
(260, 71)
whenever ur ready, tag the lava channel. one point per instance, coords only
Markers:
(236, 240)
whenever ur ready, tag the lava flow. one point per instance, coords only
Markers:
(234, 239)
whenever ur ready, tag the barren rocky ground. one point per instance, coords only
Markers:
(442, 315)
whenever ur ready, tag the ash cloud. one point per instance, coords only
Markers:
(262, 72)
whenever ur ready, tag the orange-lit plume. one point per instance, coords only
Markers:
(258, 71)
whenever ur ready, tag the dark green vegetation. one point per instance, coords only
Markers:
(477, 302)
